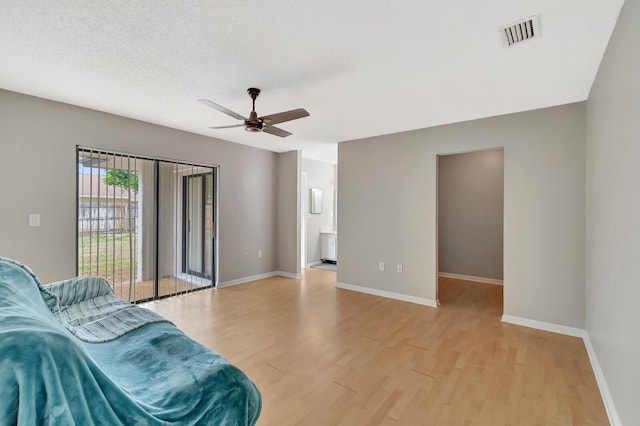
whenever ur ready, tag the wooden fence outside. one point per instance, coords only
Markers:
(107, 217)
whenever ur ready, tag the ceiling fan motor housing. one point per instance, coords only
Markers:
(253, 124)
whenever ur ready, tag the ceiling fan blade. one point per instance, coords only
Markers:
(227, 127)
(281, 117)
(220, 108)
(276, 131)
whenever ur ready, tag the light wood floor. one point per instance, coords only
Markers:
(322, 355)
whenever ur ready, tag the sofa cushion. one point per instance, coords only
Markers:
(90, 310)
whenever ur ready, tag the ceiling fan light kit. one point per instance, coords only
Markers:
(255, 123)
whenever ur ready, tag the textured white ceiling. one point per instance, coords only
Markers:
(361, 68)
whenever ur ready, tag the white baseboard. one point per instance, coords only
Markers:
(470, 278)
(258, 277)
(605, 393)
(288, 275)
(309, 265)
(388, 294)
(545, 326)
(246, 279)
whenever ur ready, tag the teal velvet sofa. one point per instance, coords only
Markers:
(74, 353)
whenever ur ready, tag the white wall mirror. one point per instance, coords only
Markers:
(316, 201)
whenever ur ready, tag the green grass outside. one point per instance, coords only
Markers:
(112, 257)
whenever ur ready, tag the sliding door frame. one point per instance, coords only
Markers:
(214, 171)
(186, 224)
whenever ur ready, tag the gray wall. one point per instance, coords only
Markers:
(470, 205)
(288, 212)
(387, 189)
(319, 175)
(38, 175)
(613, 221)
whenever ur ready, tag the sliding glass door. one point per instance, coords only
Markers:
(145, 225)
(198, 225)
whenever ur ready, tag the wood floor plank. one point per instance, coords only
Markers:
(327, 356)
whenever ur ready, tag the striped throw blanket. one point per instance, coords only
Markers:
(88, 308)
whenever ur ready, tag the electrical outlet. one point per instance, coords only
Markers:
(380, 266)
(246, 255)
(399, 267)
(259, 254)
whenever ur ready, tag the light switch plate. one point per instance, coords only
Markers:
(34, 219)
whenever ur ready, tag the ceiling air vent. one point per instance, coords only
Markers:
(521, 31)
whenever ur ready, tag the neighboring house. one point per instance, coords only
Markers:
(572, 205)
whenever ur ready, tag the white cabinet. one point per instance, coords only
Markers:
(328, 246)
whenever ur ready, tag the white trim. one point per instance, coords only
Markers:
(470, 278)
(304, 184)
(246, 279)
(312, 264)
(605, 393)
(288, 275)
(258, 277)
(388, 294)
(546, 326)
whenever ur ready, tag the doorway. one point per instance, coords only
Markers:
(317, 214)
(470, 212)
(304, 187)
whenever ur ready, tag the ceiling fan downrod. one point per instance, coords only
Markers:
(253, 124)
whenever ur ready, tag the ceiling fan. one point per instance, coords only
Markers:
(255, 123)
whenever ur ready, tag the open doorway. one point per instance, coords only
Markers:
(470, 206)
(304, 187)
(318, 237)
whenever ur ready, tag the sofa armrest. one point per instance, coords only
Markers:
(79, 289)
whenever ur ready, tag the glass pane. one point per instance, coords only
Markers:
(145, 235)
(195, 228)
(208, 225)
(116, 222)
(169, 236)
(185, 256)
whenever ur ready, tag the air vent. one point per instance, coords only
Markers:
(520, 31)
